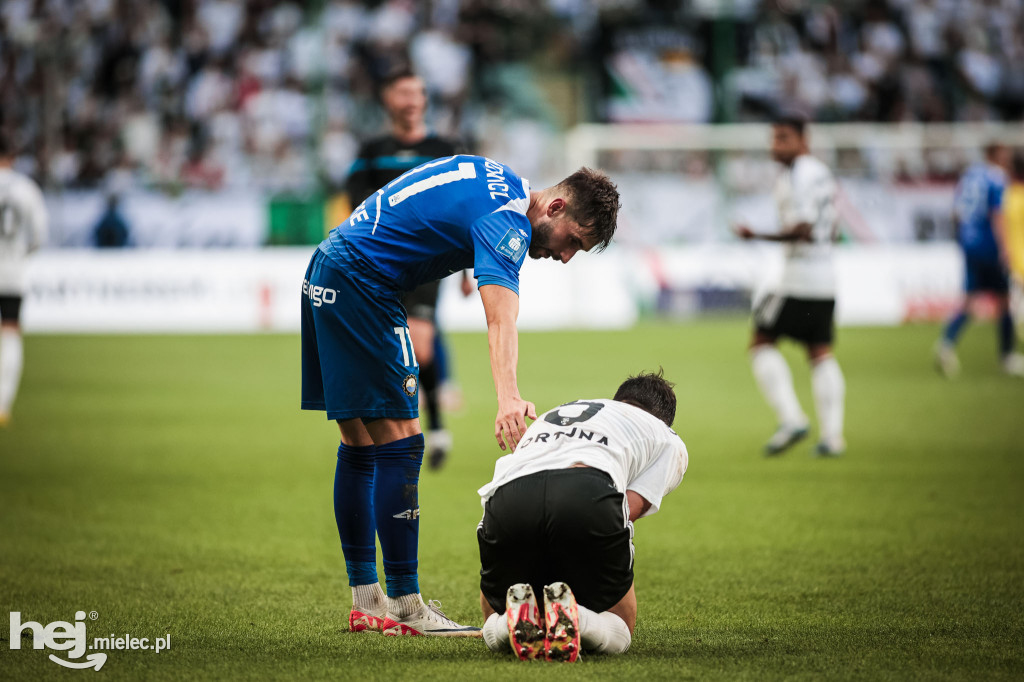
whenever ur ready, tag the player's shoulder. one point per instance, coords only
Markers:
(638, 417)
(20, 183)
(811, 168)
(995, 175)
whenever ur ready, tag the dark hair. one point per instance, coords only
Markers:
(792, 120)
(992, 148)
(593, 204)
(397, 74)
(1018, 165)
(650, 392)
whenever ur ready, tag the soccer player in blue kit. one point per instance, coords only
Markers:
(979, 197)
(359, 366)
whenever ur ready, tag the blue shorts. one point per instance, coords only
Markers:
(357, 357)
(985, 275)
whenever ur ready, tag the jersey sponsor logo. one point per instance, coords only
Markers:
(511, 246)
(318, 295)
(409, 385)
(408, 514)
(579, 433)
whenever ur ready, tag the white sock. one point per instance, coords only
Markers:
(369, 598)
(776, 383)
(829, 398)
(495, 632)
(604, 632)
(406, 605)
(11, 360)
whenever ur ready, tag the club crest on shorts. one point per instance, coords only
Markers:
(409, 385)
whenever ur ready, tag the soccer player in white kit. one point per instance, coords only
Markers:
(558, 521)
(23, 229)
(802, 307)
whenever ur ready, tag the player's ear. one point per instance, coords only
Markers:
(556, 207)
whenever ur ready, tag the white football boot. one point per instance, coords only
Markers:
(429, 621)
(365, 620)
(946, 361)
(784, 438)
(1013, 365)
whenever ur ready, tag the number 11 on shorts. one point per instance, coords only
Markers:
(405, 340)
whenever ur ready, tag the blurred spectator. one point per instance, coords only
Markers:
(111, 232)
(257, 82)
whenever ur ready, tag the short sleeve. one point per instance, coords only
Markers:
(500, 242)
(662, 475)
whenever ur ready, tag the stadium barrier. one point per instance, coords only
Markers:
(259, 289)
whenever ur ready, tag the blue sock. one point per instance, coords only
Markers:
(353, 512)
(397, 509)
(1006, 340)
(954, 327)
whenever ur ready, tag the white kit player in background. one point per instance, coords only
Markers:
(558, 522)
(803, 305)
(23, 229)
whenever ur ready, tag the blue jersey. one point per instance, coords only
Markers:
(438, 218)
(978, 194)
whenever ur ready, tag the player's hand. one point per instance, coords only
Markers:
(743, 231)
(467, 286)
(510, 424)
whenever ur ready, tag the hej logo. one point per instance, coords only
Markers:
(71, 637)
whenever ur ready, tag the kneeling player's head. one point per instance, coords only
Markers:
(651, 393)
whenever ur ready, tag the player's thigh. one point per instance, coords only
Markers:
(586, 526)
(508, 537)
(625, 608)
(367, 364)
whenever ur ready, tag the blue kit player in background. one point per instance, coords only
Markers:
(979, 198)
(359, 366)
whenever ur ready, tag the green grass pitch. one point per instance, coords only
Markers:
(172, 485)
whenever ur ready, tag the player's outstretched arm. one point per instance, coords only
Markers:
(501, 306)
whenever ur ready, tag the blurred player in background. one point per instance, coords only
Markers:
(23, 229)
(358, 365)
(1013, 221)
(803, 306)
(978, 217)
(559, 515)
(1013, 235)
(380, 161)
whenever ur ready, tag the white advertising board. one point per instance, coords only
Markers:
(254, 290)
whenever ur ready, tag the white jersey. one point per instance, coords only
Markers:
(806, 193)
(635, 448)
(23, 228)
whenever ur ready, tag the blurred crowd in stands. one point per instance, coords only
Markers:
(213, 94)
